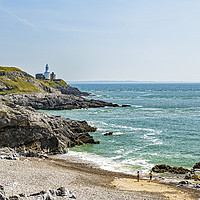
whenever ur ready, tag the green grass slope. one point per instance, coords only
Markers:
(14, 80)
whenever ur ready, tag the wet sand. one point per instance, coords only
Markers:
(85, 181)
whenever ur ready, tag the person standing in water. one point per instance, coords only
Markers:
(138, 176)
(150, 176)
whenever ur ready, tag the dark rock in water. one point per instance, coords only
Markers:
(166, 168)
(197, 166)
(8, 153)
(35, 133)
(126, 105)
(109, 133)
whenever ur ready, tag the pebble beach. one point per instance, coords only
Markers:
(85, 181)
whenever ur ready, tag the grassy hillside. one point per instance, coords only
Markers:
(10, 69)
(52, 83)
(14, 80)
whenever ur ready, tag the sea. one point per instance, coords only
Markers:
(162, 126)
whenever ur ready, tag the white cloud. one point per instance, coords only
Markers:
(23, 20)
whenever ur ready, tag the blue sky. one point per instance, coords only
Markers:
(138, 40)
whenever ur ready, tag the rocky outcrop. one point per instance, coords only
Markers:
(55, 101)
(166, 168)
(46, 195)
(34, 133)
(67, 89)
(197, 166)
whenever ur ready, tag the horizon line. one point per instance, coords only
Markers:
(128, 81)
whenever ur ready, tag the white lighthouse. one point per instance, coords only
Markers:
(47, 73)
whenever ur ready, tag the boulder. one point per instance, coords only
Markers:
(196, 177)
(52, 194)
(166, 168)
(183, 183)
(197, 166)
(109, 133)
(188, 177)
(34, 133)
(8, 153)
(2, 193)
(161, 168)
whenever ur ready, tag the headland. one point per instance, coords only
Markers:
(29, 139)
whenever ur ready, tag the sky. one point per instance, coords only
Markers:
(115, 40)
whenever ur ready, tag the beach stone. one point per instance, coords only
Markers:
(64, 192)
(166, 168)
(179, 185)
(183, 182)
(196, 177)
(8, 153)
(2, 193)
(14, 197)
(197, 185)
(43, 195)
(188, 177)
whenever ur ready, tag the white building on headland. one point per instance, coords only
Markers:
(46, 75)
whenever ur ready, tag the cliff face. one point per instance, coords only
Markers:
(35, 132)
(32, 132)
(54, 101)
(64, 88)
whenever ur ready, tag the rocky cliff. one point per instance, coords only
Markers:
(34, 133)
(31, 132)
(54, 101)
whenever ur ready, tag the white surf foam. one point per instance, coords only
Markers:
(101, 162)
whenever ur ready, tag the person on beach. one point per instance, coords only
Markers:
(150, 176)
(138, 176)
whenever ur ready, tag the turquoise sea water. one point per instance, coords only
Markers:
(161, 126)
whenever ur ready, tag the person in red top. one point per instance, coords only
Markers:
(138, 176)
(150, 176)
